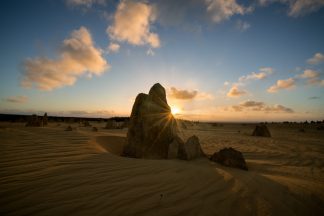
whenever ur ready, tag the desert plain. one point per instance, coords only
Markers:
(51, 171)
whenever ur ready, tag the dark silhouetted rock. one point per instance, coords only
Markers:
(174, 147)
(229, 157)
(69, 128)
(86, 124)
(94, 129)
(151, 127)
(191, 149)
(261, 130)
(183, 125)
(321, 127)
(302, 130)
(45, 120)
(34, 121)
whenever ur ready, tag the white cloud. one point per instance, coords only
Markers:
(113, 47)
(298, 7)
(221, 10)
(242, 25)
(316, 59)
(282, 84)
(132, 22)
(85, 3)
(77, 56)
(260, 106)
(16, 99)
(262, 74)
(235, 92)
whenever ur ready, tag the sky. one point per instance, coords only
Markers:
(219, 60)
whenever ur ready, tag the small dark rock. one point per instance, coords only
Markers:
(69, 128)
(94, 129)
(261, 130)
(321, 127)
(191, 149)
(34, 121)
(229, 157)
(302, 130)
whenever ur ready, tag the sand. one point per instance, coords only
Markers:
(49, 171)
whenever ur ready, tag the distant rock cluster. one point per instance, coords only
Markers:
(36, 121)
(112, 124)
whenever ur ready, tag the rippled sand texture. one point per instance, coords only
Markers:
(49, 171)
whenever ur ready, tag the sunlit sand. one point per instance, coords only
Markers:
(50, 171)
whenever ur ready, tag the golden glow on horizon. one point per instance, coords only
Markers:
(175, 110)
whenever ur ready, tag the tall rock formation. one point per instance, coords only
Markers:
(152, 127)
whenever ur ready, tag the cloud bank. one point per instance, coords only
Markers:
(77, 56)
(260, 106)
(16, 99)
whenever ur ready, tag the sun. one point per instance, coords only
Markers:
(175, 110)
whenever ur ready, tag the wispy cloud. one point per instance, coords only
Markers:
(150, 52)
(16, 99)
(314, 98)
(113, 47)
(242, 25)
(316, 59)
(309, 74)
(181, 94)
(77, 56)
(282, 84)
(297, 7)
(221, 10)
(236, 87)
(235, 92)
(262, 74)
(260, 107)
(312, 77)
(84, 3)
(131, 23)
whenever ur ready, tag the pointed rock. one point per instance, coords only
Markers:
(261, 130)
(191, 149)
(151, 127)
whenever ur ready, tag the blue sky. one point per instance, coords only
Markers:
(218, 60)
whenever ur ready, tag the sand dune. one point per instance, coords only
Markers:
(49, 171)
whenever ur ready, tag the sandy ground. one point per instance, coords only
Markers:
(49, 171)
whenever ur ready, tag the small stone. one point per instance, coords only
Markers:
(191, 149)
(261, 130)
(229, 157)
